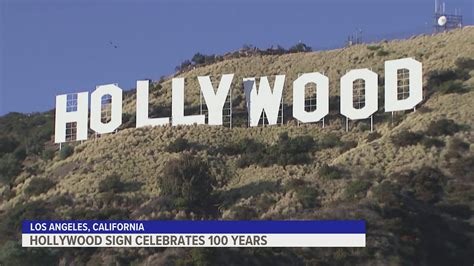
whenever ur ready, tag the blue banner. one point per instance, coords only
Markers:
(195, 227)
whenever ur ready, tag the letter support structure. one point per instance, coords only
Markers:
(226, 110)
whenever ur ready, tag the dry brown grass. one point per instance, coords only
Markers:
(139, 154)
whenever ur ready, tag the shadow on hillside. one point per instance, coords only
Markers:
(254, 189)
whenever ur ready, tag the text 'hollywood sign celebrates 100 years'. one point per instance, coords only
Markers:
(261, 99)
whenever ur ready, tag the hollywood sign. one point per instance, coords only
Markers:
(259, 98)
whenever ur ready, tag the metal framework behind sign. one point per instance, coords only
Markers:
(71, 127)
(264, 120)
(358, 93)
(403, 84)
(311, 99)
(106, 108)
(226, 110)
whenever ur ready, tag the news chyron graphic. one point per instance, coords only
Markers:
(194, 234)
(237, 133)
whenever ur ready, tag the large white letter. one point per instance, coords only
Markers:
(415, 84)
(322, 97)
(370, 98)
(215, 100)
(264, 100)
(63, 115)
(142, 107)
(115, 108)
(177, 108)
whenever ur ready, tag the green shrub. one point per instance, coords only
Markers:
(299, 48)
(197, 256)
(20, 153)
(287, 151)
(7, 145)
(66, 151)
(406, 138)
(442, 127)
(202, 59)
(292, 151)
(382, 53)
(178, 145)
(184, 65)
(347, 145)
(425, 184)
(452, 86)
(329, 172)
(39, 185)
(47, 154)
(447, 80)
(458, 145)
(456, 210)
(239, 212)
(10, 224)
(308, 197)
(387, 193)
(31, 130)
(373, 47)
(187, 180)
(462, 166)
(112, 184)
(357, 189)
(305, 193)
(329, 141)
(243, 146)
(10, 167)
(264, 203)
(456, 148)
(432, 142)
(128, 121)
(12, 253)
(464, 63)
(373, 136)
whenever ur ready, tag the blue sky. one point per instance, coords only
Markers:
(50, 47)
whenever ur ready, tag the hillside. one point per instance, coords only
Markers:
(411, 179)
